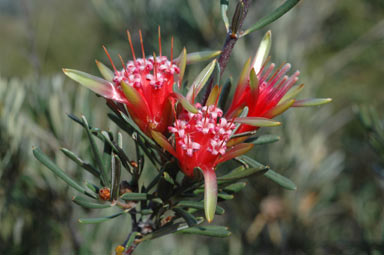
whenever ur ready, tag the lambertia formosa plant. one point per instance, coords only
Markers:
(184, 132)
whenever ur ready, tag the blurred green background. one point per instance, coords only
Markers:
(335, 160)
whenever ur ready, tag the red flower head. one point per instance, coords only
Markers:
(201, 138)
(145, 85)
(201, 142)
(266, 92)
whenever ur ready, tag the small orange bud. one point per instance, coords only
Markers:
(119, 250)
(166, 220)
(105, 193)
(133, 163)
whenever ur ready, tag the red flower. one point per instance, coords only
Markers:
(145, 85)
(265, 100)
(201, 138)
(265, 90)
(201, 142)
(151, 80)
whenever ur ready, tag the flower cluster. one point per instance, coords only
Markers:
(198, 136)
(267, 91)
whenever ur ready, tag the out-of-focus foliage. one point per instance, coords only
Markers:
(338, 47)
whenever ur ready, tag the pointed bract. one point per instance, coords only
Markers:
(105, 71)
(99, 86)
(210, 194)
(200, 81)
(262, 52)
(312, 102)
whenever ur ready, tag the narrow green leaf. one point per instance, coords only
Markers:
(100, 219)
(225, 196)
(263, 139)
(311, 102)
(168, 178)
(218, 73)
(119, 139)
(131, 239)
(182, 65)
(257, 121)
(279, 179)
(169, 228)
(251, 162)
(133, 125)
(235, 187)
(96, 154)
(92, 187)
(196, 57)
(241, 173)
(185, 103)
(95, 131)
(243, 114)
(39, 155)
(146, 211)
(200, 81)
(116, 174)
(248, 133)
(134, 196)
(237, 17)
(117, 148)
(88, 204)
(105, 71)
(189, 218)
(214, 231)
(107, 153)
(272, 16)
(198, 205)
(80, 162)
(224, 7)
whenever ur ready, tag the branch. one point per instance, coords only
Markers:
(230, 40)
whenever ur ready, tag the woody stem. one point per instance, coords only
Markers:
(230, 40)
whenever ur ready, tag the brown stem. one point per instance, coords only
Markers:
(229, 42)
